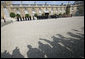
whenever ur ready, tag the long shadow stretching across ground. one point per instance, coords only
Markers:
(15, 54)
(61, 47)
(34, 52)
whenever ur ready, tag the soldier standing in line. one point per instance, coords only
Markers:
(4, 20)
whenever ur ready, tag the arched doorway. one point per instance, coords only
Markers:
(51, 11)
(40, 12)
(6, 12)
(26, 12)
(46, 13)
(18, 13)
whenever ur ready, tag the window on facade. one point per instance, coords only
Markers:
(4, 6)
(33, 9)
(46, 9)
(52, 9)
(39, 8)
(17, 8)
(72, 8)
(40, 11)
(2, 1)
(12, 8)
(61, 9)
(25, 8)
(64, 8)
(57, 9)
(26, 12)
(6, 12)
(18, 12)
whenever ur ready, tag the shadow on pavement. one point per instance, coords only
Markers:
(34, 52)
(16, 54)
(60, 47)
(5, 54)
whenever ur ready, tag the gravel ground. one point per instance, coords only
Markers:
(51, 38)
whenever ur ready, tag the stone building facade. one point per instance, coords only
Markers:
(7, 7)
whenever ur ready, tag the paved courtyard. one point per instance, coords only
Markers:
(52, 38)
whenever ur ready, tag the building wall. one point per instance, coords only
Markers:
(56, 9)
(73, 10)
(2, 12)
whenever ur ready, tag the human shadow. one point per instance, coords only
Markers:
(34, 52)
(57, 50)
(5, 54)
(16, 54)
(78, 35)
(46, 49)
(61, 47)
(64, 47)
